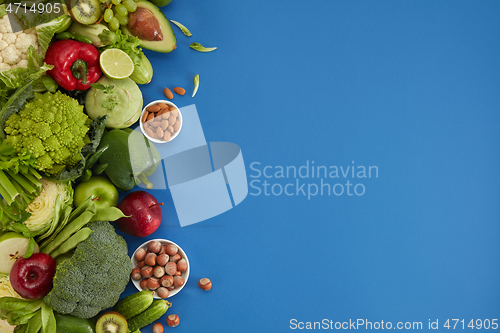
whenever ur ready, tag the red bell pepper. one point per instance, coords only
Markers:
(76, 64)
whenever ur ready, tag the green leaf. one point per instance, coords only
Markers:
(48, 319)
(47, 30)
(14, 104)
(200, 48)
(30, 249)
(184, 30)
(196, 84)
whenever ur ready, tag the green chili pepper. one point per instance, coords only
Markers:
(83, 39)
(65, 35)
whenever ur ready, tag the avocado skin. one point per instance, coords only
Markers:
(169, 42)
(161, 3)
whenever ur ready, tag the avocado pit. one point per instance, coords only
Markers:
(143, 24)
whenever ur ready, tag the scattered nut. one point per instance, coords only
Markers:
(168, 93)
(140, 254)
(173, 320)
(205, 284)
(167, 281)
(158, 327)
(179, 91)
(162, 292)
(136, 274)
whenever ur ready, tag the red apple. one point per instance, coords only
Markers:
(32, 278)
(144, 213)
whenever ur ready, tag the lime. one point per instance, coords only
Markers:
(116, 64)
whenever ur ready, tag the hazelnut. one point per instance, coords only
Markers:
(171, 249)
(150, 259)
(162, 259)
(171, 288)
(140, 254)
(147, 271)
(144, 284)
(178, 273)
(175, 258)
(182, 265)
(173, 320)
(153, 283)
(167, 281)
(154, 246)
(205, 284)
(158, 271)
(162, 251)
(178, 281)
(141, 264)
(136, 274)
(162, 292)
(171, 268)
(157, 328)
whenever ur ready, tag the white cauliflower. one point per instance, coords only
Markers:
(14, 46)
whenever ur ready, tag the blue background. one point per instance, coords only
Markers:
(411, 87)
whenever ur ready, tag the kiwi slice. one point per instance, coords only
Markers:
(85, 11)
(111, 322)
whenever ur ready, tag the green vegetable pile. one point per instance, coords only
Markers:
(53, 128)
(94, 277)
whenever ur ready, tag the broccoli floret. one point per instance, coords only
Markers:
(95, 276)
(53, 128)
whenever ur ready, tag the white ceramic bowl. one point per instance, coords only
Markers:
(142, 124)
(185, 274)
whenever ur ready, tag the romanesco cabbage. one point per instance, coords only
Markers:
(53, 128)
(94, 277)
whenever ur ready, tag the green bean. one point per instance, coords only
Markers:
(70, 229)
(48, 320)
(35, 323)
(13, 303)
(72, 242)
(108, 214)
(83, 39)
(80, 209)
(65, 35)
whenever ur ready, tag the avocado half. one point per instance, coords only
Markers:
(152, 27)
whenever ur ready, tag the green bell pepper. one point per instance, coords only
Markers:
(130, 158)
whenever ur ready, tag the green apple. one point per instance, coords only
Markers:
(12, 247)
(100, 189)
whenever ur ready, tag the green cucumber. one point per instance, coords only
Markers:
(134, 304)
(150, 315)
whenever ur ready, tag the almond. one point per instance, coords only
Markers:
(177, 125)
(150, 133)
(172, 120)
(164, 124)
(153, 108)
(163, 106)
(179, 91)
(145, 116)
(159, 132)
(150, 117)
(166, 136)
(168, 93)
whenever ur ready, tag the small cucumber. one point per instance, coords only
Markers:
(134, 304)
(150, 315)
(143, 73)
